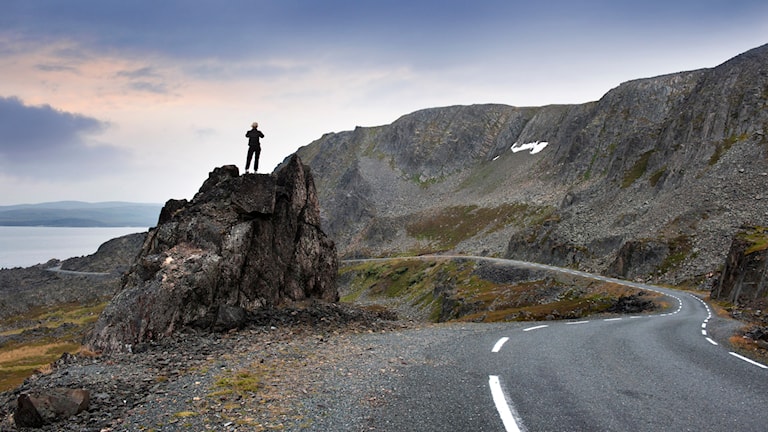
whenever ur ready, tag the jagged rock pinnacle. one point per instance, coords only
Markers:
(241, 244)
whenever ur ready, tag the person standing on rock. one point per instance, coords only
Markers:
(254, 147)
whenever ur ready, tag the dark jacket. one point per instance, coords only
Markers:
(253, 137)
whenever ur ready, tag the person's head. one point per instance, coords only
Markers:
(255, 125)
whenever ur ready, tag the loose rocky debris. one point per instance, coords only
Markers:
(753, 317)
(759, 335)
(197, 380)
(632, 304)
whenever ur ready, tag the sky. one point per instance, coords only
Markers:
(139, 100)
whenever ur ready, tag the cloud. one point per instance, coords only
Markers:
(150, 87)
(46, 142)
(56, 68)
(144, 72)
(144, 79)
(426, 35)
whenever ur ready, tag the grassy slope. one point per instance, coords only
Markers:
(456, 290)
(33, 341)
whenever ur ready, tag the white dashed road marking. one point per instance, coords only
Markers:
(500, 343)
(535, 328)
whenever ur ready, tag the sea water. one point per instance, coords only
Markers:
(27, 246)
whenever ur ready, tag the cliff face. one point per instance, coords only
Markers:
(745, 277)
(676, 161)
(242, 243)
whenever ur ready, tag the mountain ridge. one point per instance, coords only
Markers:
(80, 214)
(677, 160)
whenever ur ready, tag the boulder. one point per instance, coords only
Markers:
(49, 406)
(243, 243)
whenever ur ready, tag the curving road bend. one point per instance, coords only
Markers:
(660, 372)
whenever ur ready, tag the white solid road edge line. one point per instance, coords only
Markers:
(505, 412)
(500, 343)
(748, 360)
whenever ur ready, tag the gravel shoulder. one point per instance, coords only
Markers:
(316, 368)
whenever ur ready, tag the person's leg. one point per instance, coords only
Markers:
(257, 151)
(248, 159)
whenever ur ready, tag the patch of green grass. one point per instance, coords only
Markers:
(240, 382)
(414, 282)
(17, 363)
(389, 280)
(637, 170)
(724, 146)
(588, 173)
(52, 317)
(452, 225)
(416, 178)
(599, 154)
(20, 360)
(655, 177)
(679, 250)
(453, 290)
(758, 237)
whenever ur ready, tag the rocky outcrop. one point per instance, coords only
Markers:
(638, 258)
(745, 277)
(113, 256)
(243, 243)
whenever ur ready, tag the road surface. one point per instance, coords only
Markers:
(659, 372)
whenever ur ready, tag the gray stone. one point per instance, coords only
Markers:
(48, 406)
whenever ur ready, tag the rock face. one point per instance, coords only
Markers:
(745, 277)
(651, 181)
(243, 243)
(637, 257)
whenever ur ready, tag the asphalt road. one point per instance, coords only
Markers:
(661, 372)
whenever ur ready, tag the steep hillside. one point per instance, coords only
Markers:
(650, 181)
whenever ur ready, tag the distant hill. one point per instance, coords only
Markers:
(80, 214)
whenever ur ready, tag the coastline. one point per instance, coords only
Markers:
(24, 246)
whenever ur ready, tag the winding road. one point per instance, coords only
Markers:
(58, 269)
(659, 372)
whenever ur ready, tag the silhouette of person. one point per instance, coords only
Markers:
(254, 147)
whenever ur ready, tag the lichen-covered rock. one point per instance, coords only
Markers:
(241, 244)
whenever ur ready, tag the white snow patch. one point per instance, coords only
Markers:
(534, 147)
